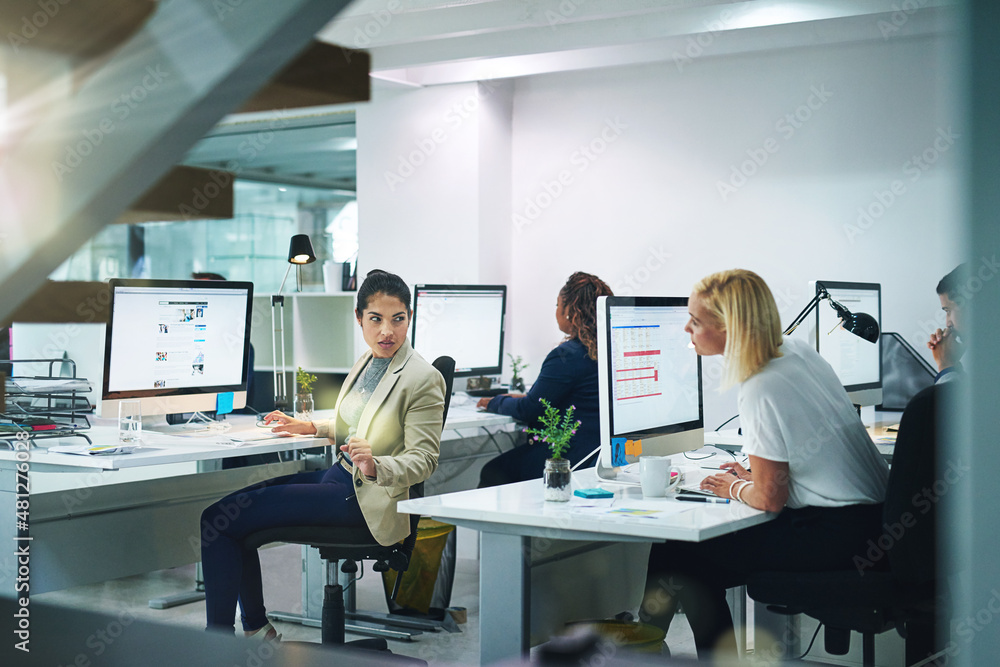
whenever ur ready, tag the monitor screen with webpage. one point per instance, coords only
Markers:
(857, 362)
(649, 380)
(176, 344)
(464, 322)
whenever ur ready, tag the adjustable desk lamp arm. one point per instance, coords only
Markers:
(300, 251)
(860, 324)
(821, 294)
(278, 342)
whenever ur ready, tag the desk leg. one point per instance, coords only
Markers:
(504, 597)
(737, 599)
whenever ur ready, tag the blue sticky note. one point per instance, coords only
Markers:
(618, 452)
(224, 403)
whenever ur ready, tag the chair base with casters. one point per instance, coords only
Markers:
(347, 546)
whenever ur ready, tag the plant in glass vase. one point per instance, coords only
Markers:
(557, 430)
(303, 394)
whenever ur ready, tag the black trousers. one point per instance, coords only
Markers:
(697, 574)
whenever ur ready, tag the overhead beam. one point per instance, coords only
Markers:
(185, 193)
(322, 75)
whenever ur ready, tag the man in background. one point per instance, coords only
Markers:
(946, 344)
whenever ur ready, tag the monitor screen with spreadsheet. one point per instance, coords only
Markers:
(649, 377)
(464, 322)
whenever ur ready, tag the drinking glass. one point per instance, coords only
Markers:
(129, 422)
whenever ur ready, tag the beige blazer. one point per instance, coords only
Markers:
(402, 422)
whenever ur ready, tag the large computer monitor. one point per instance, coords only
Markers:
(857, 362)
(176, 345)
(649, 378)
(465, 322)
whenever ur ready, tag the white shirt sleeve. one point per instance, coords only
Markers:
(762, 424)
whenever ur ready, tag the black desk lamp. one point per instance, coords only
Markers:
(860, 324)
(300, 251)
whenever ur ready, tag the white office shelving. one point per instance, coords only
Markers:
(319, 328)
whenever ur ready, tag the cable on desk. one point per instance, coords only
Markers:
(512, 435)
(688, 456)
(492, 439)
(727, 421)
(585, 459)
(744, 463)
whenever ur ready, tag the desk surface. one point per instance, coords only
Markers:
(202, 445)
(520, 509)
(156, 450)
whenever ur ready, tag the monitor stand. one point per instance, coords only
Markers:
(198, 423)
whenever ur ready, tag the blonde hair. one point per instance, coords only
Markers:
(743, 305)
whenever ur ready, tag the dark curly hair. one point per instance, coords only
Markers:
(579, 298)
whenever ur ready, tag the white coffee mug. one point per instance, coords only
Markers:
(655, 476)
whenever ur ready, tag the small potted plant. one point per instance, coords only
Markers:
(517, 365)
(303, 394)
(557, 431)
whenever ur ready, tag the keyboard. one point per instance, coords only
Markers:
(492, 391)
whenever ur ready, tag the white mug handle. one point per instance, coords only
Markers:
(673, 480)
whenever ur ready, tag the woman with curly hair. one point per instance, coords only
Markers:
(568, 377)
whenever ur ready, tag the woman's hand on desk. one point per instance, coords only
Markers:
(361, 455)
(721, 484)
(285, 424)
(738, 470)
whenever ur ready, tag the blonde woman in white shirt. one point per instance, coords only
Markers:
(811, 461)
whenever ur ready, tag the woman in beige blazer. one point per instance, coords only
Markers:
(387, 429)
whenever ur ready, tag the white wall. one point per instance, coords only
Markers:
(418, 185)
(644, 210)
(662, 140)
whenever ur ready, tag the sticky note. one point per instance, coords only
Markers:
(618, 452)
(224, 403)
(633, 448)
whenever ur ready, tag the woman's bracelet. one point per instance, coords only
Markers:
(731, 484)
(739, 492)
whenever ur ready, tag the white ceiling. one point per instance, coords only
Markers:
(426, 42)
(431, 42)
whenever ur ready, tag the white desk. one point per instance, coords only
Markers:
(102, 531)
(467, 416)
(510, 517)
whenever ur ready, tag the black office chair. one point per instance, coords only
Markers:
(351, 545)
(899, 589)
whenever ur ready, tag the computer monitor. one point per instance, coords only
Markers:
(465, 322)
(176, 345)
(649, 379)
(857, 362)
